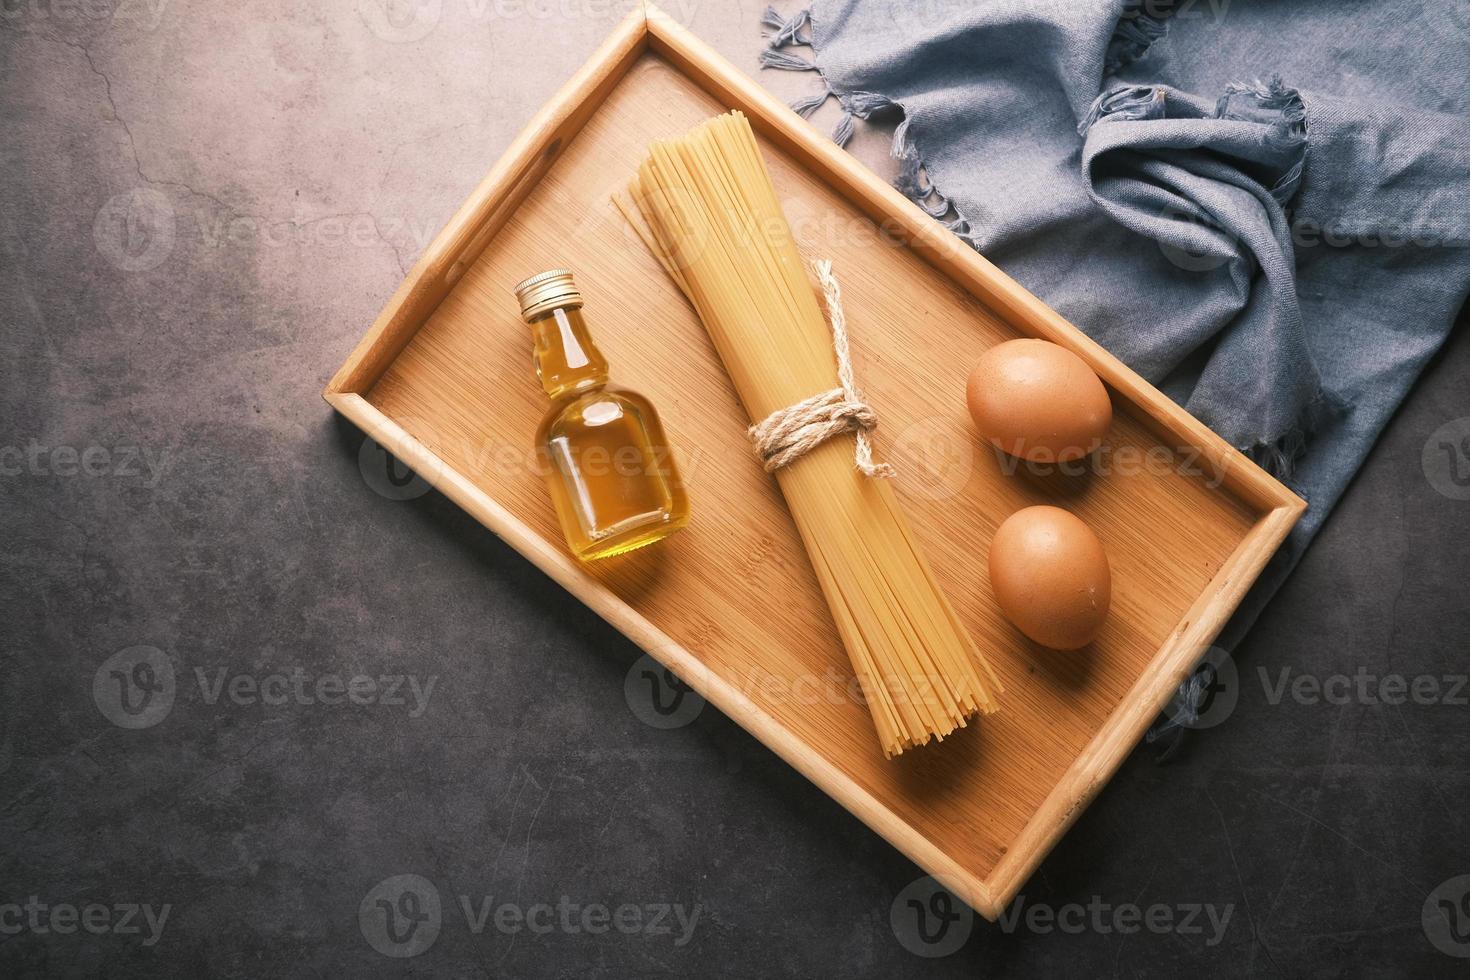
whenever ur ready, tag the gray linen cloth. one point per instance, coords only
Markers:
(1262, 207)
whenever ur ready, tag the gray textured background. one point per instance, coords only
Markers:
(203, 207)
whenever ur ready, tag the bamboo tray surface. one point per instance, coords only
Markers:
(731, 604)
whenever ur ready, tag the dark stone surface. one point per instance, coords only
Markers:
(202, 208)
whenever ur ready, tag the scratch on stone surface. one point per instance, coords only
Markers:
(526, 855)
(17, 254)
(530, 828)
(117, 117)
(238, 759)
(505, 841)
(1335, 833)
(83, 553)
(393, 153)
(611, 812)
(1434, 784)
(1384, 930)
(1136, 898)
(22, 797)
(1307, 831)
(1393, 611)
(1393, 628)
(1260, 940)
(299, 498)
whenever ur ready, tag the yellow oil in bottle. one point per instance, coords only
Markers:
(608, 464)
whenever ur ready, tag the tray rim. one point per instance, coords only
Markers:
(647, 29)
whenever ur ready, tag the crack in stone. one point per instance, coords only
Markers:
(402, 266)
(189, 188)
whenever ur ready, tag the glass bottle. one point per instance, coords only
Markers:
(607, 462)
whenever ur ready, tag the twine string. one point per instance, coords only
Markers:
(789, 433)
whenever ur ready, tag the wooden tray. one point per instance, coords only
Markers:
(443, 380)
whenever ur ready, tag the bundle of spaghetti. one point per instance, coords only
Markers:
(705, 206)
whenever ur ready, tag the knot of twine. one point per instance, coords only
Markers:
(789, 433)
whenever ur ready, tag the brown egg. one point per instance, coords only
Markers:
(1037, 401)
(1050, 576)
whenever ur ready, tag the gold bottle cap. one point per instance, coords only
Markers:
(546, 291)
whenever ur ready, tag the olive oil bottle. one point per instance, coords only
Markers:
(607, 461)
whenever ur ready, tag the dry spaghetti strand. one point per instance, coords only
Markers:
(705, 206)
